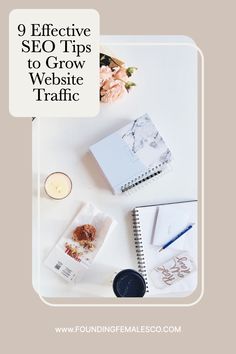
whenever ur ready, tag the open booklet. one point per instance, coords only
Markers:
(150, 234)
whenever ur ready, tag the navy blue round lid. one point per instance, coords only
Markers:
(129, 283)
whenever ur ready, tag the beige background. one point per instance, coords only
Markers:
(28, 324)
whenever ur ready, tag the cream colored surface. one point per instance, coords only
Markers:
(54, 54)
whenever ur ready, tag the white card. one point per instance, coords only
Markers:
(170, 221)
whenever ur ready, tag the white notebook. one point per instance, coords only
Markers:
(145, 225)
(132, 155)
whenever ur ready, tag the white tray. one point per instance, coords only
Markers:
(166, 90)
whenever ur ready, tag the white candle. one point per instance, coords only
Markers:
(58, 185)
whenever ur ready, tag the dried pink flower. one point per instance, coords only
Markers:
(119, 73)
(111, 90)
(105, 74)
